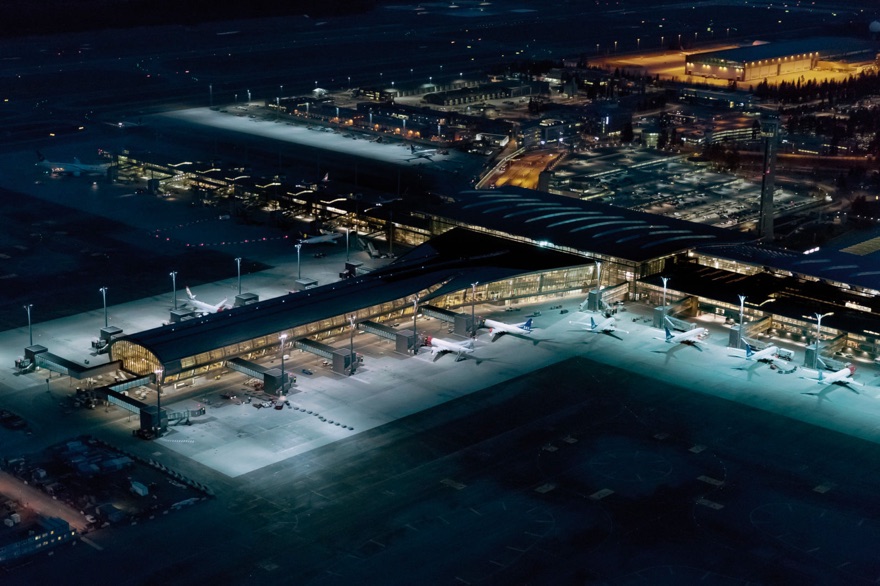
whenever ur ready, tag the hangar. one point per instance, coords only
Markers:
(754, 63)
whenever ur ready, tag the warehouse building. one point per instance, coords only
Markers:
(758, 62)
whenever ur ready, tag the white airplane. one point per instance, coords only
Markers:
(205, 307)
(496, 328)
(765, 355)
(74, 168)
(329, 237)
(442, 346)
(422, 153)
(841, 377)
(693, 337)
(606, 326)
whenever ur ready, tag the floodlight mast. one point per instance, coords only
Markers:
(30, 328)
(819, 317)
(283, 338)
(473, 303)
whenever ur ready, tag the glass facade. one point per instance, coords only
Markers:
(533, 287)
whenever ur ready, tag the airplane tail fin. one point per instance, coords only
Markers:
(412, 149)
(76, 161)
(852, 369)
(749, 350)
(190, 293)
(592, 324)
(40, 157)
(468, 343)
(668, 333)
(528, 325)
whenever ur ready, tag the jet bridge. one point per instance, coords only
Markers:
(270, 377)
(341, 361)
(403, 339)
(461, 322)
(41, 357)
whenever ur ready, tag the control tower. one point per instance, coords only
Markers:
(770, 135)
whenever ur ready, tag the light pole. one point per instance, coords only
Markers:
(742, 303)
(351, 319)
(598, 285)
(298, 272)
(638, 43)
(30, 330)
(103, 291)
(819, 317)
(210, 95)
(238, 267)
(346, 244)
(283, 338)
(159, 373)
(173, 275)
(473, 303)
(415, 333)
(665, 280)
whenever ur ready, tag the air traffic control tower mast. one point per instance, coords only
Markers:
(770, 134)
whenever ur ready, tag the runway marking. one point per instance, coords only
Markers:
(88, 541)
(569, 440)
(710, 480)
(697, 449)
(710, 504)
(545, 488)
(453, 484)
(476, 512)
(549, 448)
(661, 436)
(823, 488)
(462, 580)
(600, 494)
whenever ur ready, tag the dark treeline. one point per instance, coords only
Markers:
(26, 17)
(820, 93)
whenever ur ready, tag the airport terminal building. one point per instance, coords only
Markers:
(511, 245)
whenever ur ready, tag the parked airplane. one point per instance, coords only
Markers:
(765, 355)
(496, 328)
(205, 307)
(693, 337)
(422, 153)
(442, 346)
(606, 326)
(841, 377)
(329, 237)
(74, 168)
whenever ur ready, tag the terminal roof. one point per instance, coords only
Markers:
(450, 262)
(854, 270)
(788, 297)
(586, 226)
